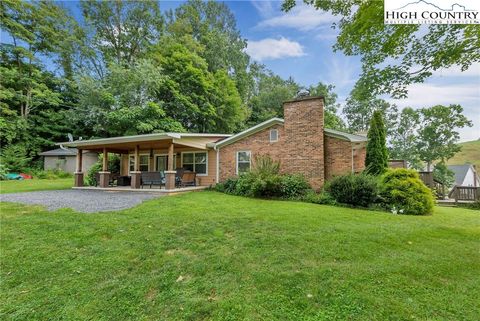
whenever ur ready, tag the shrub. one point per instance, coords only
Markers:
(50, 174)
(265, 181)
(113, 167)
(319, 198)
(357, 190)
(404, 190)
(265, 166)
(294, 186)
(90, 177)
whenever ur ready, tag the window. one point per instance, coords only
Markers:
(62, 157)
(144, 163)
(195, 162)
(243, 162)
(273, 135)
(161, 162)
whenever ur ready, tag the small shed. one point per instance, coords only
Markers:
(65, 159)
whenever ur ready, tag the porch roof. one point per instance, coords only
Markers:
(125, 142)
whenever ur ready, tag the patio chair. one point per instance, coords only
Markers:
(152, 178)
(189, 179)
(113, 179)
(178, 176)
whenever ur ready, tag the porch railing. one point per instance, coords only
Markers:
(465, 193)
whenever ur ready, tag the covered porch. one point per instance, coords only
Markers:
(166, 162)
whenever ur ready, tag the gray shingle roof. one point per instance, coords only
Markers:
(460, 172)
(60, 152)
(350, 137)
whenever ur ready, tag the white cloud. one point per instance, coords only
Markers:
(301, 17)
(264, 8)
(465, 94)
(456, 71)
(427, 95)
(270, 48)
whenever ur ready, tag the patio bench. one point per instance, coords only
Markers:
(152, 178)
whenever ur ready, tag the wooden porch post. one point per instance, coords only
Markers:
(136, 174)
(170, 174)
(136, 166)
(104, 174)
(79, 173)
(105, 160)
(170, 157)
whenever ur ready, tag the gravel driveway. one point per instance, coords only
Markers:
(80, 200)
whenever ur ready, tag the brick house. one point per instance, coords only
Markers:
(299, 141)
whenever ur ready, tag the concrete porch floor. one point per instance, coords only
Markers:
(142, 190)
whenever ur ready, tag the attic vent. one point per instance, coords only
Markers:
(273, 135)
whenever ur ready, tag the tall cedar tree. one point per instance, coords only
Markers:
(376, 161)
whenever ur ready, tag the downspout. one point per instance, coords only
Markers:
(218, 163)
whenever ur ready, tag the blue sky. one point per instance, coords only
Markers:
(299, 44)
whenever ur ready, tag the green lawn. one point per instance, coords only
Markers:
(209, 256)
(30, 185)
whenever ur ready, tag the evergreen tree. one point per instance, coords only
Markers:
(376, 161)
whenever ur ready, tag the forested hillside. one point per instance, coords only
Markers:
(126, 69)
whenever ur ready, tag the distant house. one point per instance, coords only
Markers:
(65, 159)
(465, 175)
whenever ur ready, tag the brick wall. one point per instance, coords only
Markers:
(338, 157)
(258, 144)
(359, 154)
(299, 148)
(304, 139)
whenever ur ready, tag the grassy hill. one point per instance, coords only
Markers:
(470, 153)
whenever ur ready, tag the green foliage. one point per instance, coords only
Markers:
(3, 172)
(294, 186)
(354, 189)
(403, 138)
(437, 135)
(264, 165)
(265, 181)
(403, 190)
(50, 174)
(376, 160)
(113, 167)
(15, 159)
(323, 198)
(443, 175)
(90, 178)
(395, 56)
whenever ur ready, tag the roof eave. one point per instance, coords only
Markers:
(250, 131)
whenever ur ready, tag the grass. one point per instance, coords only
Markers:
(30, 185)
(210, 256)
(468, 154)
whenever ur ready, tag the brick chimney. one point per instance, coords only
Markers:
(304, 139)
